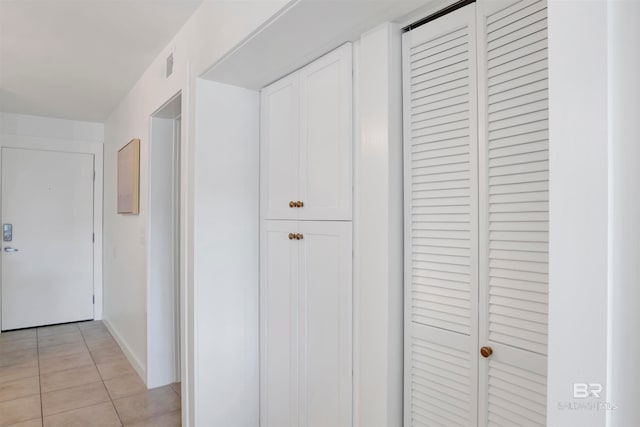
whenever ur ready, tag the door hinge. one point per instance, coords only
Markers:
(94, 175)
(93, 237)
(93, 299)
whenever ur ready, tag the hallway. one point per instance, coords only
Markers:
(76, 375)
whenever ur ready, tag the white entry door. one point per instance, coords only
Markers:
(47, 266)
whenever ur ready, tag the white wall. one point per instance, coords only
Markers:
(578, 211)
(226, 288)
(45, 133)
(50, 128)
(378, 230)
(624, 115)
(212, 31)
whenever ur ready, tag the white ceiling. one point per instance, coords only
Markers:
(76, 59)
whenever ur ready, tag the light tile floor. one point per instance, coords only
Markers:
(76, 375)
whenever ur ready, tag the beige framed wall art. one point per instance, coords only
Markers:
(129, 178)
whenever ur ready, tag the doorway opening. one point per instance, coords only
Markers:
(163, 287)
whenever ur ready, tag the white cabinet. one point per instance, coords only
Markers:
(476, 216)
(306, 246)
(306, 324)
(306, 141)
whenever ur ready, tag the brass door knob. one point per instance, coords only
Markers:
(486, 351)
(292, 236)
(292, 204)
(299, 236)
(299, 204)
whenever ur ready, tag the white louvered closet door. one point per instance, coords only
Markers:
(441, 221)
(514, 219)
(476, 224)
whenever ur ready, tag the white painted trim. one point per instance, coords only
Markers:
(75, 146)
(378, 229)
(139, 367)
(226, 271)
(188, 361)
(423, 12)
(157, 303)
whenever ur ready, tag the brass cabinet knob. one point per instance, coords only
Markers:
(292, 204)
(299, 236)
(292, 236)
(486, 351)
(299, 204)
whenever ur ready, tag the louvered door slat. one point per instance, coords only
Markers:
(519, 255)
(526, 148)
(518, 80)
(518, 394)
(515, 31)
(440, 98)
(514, 111)
(455, 104)
(441, 119)
(525, 99)
(439, 58)
(440, 65)
(517, 11)
(439, 185)
(533, 42)
(441, 381)
(441, 221)
(518, 314)
(442, 43)
(509, 283)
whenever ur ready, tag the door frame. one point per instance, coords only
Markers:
(166, 339)
(81, 147)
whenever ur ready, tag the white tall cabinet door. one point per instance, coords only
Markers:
(279, 328)
(514, 205)
(326, 137)
(279, 145)
(306, 360)
(441, 221)
(325, 324)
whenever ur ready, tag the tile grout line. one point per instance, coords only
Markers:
(100, 375)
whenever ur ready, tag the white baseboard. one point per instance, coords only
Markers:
(137, 365)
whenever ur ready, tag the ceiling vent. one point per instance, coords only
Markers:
(169, 66)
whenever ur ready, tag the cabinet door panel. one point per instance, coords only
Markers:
(279, 324)
(325, 324)
(326, 137)
(280, 148)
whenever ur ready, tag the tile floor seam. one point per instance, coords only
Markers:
(65, 370)
(101, 379)
(21, 397)
(70, 387)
